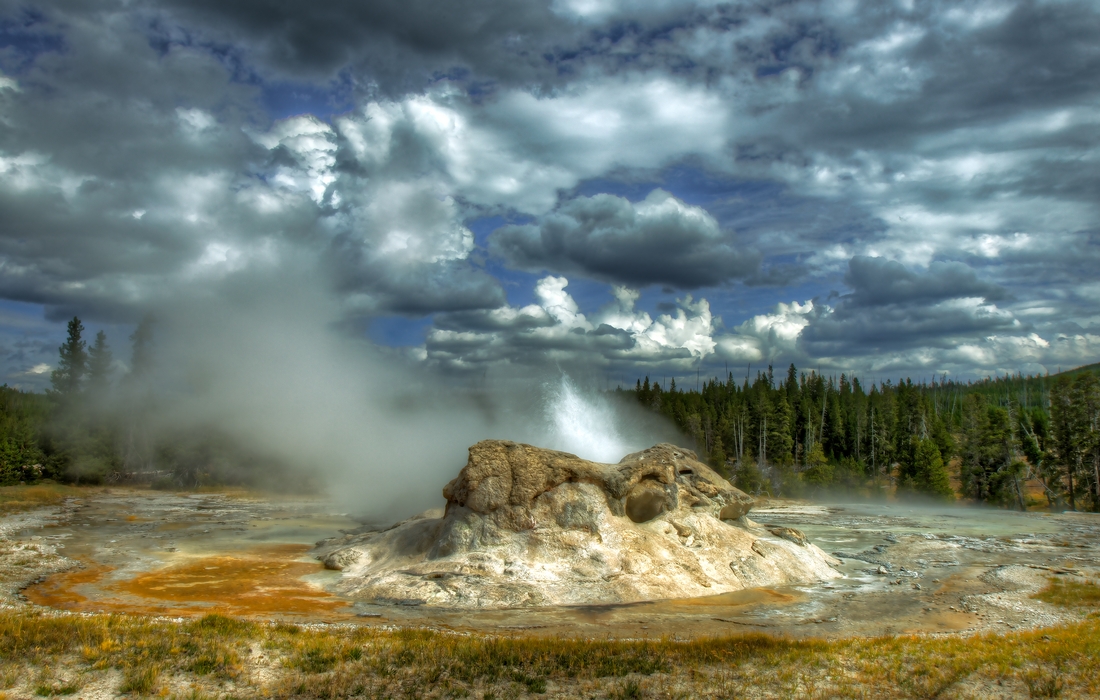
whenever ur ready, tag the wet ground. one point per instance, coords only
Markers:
(171, 554)
(907, 569)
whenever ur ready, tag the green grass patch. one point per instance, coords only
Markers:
(223, 626)
(1071, 593)
(142, 679)
(47, 688)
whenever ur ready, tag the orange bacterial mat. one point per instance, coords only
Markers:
(258, 582)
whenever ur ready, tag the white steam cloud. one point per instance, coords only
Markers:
(585, 425)
(271, 366)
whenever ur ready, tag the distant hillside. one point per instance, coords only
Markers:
(1095, 368)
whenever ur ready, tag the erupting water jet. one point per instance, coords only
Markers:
(583, 425)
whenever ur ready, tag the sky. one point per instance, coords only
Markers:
(620, 188)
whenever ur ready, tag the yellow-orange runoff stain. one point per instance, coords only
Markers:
(63, 590)
(259, 582)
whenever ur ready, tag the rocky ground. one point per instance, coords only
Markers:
(904, 570)
(28, 557)
(151, 552)
(937, 569)
(947, 572)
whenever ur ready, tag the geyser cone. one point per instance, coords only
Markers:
(529, 526)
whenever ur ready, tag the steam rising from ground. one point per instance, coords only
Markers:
(272, 366)
(583, 424)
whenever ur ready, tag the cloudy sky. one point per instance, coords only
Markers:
(896, 188)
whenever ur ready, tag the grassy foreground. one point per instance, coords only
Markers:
(217, 656)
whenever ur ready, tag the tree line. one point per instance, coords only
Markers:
(798, 434)
(807, 433)
(72, 433)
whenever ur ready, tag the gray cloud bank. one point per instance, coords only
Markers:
(936, 164)
(659, 240)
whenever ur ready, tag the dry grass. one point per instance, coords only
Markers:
(19, 498)
(218, 655)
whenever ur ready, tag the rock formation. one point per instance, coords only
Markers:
(524, 526)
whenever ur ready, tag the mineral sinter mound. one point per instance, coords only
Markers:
(525, 526)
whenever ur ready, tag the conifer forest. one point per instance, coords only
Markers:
(985, 441)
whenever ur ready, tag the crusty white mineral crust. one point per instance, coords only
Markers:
(526, 526)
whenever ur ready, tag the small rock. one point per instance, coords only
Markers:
(341, 559)
(681, 530)
(883, 570)
(789, 534)
(917, 586)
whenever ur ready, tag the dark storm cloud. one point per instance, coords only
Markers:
(414, 288)
(487, 321)
(891, 308)
(896, 327)
(879, 282)
(960, 66)
(520, 343)
(659, 240)
(396, 43)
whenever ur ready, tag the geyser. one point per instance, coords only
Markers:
(582, 424)
(529, 526)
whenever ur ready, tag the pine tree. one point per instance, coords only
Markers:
(990, 469)
(818, 470)
(72, 363)
(1087, 387)
(138, 451)
(930, 474)
(99, 366)
(141, 338)
(1065, 423)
